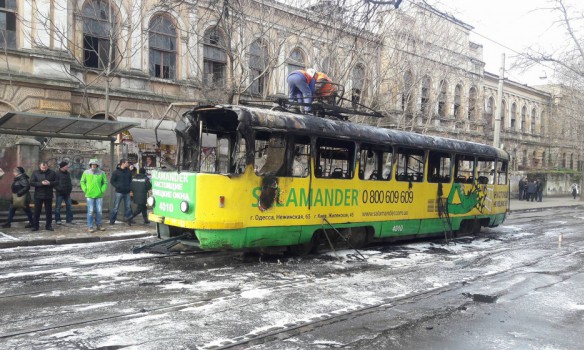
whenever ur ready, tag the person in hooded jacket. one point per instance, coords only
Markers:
(43, 180)
(63, 188)
(20, 187)
(94, 184)
(140, 186)
(122, 181)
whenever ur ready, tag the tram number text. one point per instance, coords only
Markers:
(397, 228)
(376, 197)
(167, 207)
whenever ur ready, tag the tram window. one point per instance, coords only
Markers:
(334, 159)
(464, 169)
(300, 149)
(439, 167)
(409, 165)
(374, 163)
(215, 154)
(239, 156)
(485, 171)
(281, 155)
(270, 154)
(502, 172)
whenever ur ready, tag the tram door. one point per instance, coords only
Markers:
(439, 182)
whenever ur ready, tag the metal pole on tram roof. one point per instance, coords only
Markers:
(498, 109)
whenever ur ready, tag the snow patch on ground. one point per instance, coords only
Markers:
(255, 293)
(37, 273)
(94, 306)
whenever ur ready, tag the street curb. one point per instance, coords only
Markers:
(86, 239)
(526, 210)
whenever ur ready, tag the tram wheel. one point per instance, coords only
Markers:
(476, 227)
(357, 237)
(301, 249)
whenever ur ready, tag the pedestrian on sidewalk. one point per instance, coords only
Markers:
(140, 186)
(531, 190)
(539, 194)
(521, 188)
(63, 188)
(43, 180)
(20, 188)
(122, 181)
(574, 190)
(94, 184)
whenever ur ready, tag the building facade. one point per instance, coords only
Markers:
(130, 60)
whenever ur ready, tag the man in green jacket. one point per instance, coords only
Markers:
(94, 184)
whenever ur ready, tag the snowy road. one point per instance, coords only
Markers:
(516, 286)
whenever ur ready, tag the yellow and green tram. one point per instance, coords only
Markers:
(252, 178)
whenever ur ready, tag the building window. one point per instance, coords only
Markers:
(296, 60)
(407, 93)
(457, 100)
(513, 115)
(258, 64)
(443, 99)
(98, 27)
(358, 85)
(425, 96)
(489, 111)
(503, 114)
(523, 116)
(8, 15)
(214, 57)
(472, 103)
(533, 116)
(162, 41)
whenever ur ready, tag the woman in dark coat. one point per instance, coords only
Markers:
(21, 187)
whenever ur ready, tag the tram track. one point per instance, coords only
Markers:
(276, 332)
(291, 329)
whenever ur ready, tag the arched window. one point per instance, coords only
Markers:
(443, 99)
(407, 105)
(489, 111)
(523, 117)
(214, 57)
(513, 115)
(98, 24)
(162, 41)
(8, 14)
(296, 60)
(472, 103)
(457, 100)
(358, 84)
(503, 114)
(533, 116)
(425, 95)
(258, 64)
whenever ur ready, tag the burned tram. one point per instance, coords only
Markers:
(252, 178)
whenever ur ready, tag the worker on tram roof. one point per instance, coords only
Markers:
(324, 87)
(301, 84)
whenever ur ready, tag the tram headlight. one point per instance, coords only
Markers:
(151, 201)
(184, 206)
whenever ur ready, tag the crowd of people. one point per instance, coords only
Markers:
(530, 190)
(130, 184)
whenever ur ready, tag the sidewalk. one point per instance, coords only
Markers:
(17, 235)
(547, 202)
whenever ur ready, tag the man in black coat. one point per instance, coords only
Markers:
(43, 180)
(122, 181)
(63, 188)
(140, 186)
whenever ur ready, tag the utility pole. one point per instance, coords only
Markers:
(498, 109)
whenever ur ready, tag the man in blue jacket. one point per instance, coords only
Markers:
(122, 181)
